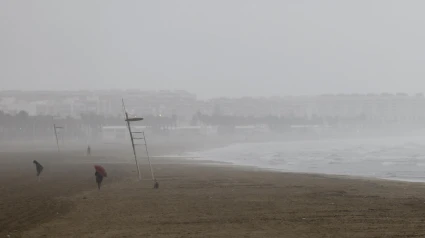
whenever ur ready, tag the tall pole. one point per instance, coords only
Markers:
(132, 139)
(134, 119)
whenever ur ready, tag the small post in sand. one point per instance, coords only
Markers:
(55, 129)
(56, 136)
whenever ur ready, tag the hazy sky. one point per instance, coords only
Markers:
(214, 47)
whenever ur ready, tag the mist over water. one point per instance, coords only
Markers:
(398, 158)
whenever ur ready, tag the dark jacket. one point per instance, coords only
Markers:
(99, 177)
(38, 167)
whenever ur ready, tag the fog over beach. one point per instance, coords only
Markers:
(238, 118)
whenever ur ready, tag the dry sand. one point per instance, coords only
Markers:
(197, 200)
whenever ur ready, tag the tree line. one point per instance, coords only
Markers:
(25, 126)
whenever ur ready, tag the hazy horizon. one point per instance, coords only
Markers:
(214, 48)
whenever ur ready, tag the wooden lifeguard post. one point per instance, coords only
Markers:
(138, 135)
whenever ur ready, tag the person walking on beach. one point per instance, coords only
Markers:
(100, 173)
(99, 179)
(88, 151)
(39, 168)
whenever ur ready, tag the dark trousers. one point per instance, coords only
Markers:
(99, 180)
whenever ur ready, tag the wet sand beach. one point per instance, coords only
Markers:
(197, 199)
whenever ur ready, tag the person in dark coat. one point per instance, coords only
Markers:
(99, 179)
(39, 168)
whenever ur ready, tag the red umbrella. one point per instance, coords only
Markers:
(100, 170)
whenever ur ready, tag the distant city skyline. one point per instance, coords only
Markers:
(185, 105)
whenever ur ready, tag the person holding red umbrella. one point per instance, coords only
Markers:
(100, 173)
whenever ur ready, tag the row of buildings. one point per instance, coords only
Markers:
(184, 105)
(108, 103)
(373, 107)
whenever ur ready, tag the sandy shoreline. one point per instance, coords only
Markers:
(196, 200)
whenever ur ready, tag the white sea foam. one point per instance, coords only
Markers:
(400, 158)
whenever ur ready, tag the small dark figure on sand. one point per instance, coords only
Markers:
(39, 168)
(88, 150)
(99, 179)
(156, 185)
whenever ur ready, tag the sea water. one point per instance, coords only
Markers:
(398, 158)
